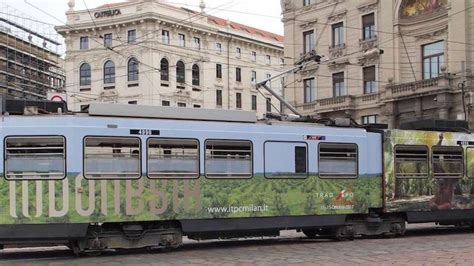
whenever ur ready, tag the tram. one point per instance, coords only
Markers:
(125, 176)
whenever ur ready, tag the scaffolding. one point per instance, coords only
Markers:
(29, 56)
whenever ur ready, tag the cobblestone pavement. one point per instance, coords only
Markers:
(421, 246)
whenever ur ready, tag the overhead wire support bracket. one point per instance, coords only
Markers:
(300, 64)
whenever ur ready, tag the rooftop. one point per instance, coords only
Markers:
(220, 22)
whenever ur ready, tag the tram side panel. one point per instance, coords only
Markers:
(429, 175)
(234, 180)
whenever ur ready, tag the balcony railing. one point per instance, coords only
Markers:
(413, 86)
(412, 89)
(329, 104)
(368, 44)
(337, 50)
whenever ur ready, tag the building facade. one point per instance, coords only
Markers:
(150, 53)
(390, 62)
(30, 65)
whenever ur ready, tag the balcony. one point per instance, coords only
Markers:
(337, 51)
(367, 99)
(341, 103)
(368, 44)
(417, 88)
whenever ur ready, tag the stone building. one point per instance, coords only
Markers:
(30, 65)
(387, 62)
(150, 53)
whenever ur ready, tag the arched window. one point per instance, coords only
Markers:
(180, 72)
(196, 78)
(109, 72)
(85, 75)
(133, 69)
(165, 70)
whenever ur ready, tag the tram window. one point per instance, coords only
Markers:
(338, 160)
(411, 161)
(279, 163)
(228, 159)
(470, 162)
(35, 158)
(447, 162)
(173, 158)
(112, 158)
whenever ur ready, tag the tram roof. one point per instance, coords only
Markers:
(176, 113)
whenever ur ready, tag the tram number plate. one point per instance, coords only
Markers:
(466, 143)
(144, 132)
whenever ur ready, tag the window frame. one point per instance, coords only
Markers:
(368, 117)
(369, 28)
(181, 40)
(178, 139)
(196, 75)
(428, 161)
(339, 177)
(462, 173)
(430, 57)
(164, 75)
(133, 75)
(197, 43)
(108, 42)
(308, 41)
(338, 28)
(252, 151)
(88, 78)
(238, 74)
(218, 71)
(111, 137)
(312, 90)
(84, 43)
(219, 98)
(132, 38)
(165, 37)
(5, 175)
(371, 84)
(180, 77)
(254, 102)
(109, 78)
(334, 85)
(253, 78)
(268, 103)
(238, 52)
(238, 100)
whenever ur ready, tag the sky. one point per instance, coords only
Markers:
(265, 13)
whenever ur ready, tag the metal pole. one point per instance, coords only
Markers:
(287, 104)
(306, 60)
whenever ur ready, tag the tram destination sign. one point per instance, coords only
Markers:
(314, 137)
(108, 13)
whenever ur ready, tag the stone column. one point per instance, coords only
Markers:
(443, 106)
(390, 111)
